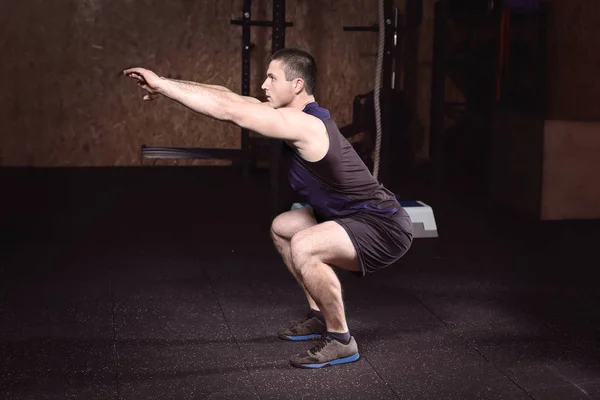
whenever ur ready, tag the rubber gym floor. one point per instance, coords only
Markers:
(162, 283)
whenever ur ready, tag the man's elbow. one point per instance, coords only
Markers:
(231, 108)
(230, 112)
(239, 112)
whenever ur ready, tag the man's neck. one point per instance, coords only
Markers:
(301, 101)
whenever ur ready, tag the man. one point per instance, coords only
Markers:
(351, 222)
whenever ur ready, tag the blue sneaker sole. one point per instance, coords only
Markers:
(304, 337)
(329, 363)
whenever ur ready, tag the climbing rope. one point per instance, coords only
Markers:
(378, 89)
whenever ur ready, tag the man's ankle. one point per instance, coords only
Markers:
(317, 314)
(342, 337)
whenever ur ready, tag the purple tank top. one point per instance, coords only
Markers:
(340, 184)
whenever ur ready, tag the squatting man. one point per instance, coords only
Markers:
(350, 222)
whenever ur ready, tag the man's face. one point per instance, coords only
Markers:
(279, 92)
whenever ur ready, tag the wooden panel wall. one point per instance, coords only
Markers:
(571, 188)
(546, 169)
(516, 164)
(423, 96)
(66, 104)
(574, 60)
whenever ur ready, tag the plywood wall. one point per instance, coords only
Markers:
(65, 103)
(517, 162)
(423, 96)
(574, 60)
(571, 188)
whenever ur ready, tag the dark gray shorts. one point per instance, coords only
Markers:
(379, 240)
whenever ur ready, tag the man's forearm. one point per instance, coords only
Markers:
(209, 100)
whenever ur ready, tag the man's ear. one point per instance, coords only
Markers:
(298, 85)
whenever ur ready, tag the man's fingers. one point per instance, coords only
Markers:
(139, 74)
(133, 73)
(129, 71)
(150, 96)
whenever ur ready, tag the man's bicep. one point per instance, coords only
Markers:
(253, 100)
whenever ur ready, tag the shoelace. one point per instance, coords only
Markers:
(321, 345)
(300, 323)
(306, 321)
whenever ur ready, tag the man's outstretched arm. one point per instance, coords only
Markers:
(222, 105)
(217, 87)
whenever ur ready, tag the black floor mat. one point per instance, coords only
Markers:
(155, 283)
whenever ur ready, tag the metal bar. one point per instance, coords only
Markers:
(542, 66)
(246, 50)
(410, 62)
(438, 94)
(190, 152)
(277, 43)
(258, 23)
(386, 93)
(246, 47)
(388, 55)
(373, 28)
(278, 38)
(416, 8)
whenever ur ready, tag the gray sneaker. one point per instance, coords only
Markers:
(310, 328)
(328, 352)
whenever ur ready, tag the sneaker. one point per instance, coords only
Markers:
(310, 328)
(328, 352)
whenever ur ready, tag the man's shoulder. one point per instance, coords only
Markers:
(292, 112)
(310, 133)
(301, 120)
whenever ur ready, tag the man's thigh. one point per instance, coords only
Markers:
(379, 241)
(329, 243)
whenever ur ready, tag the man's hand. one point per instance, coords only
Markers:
(147, 80)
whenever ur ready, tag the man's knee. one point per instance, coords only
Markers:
(301, 250)
(287, 224)
(278, 229)
(279, 242)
